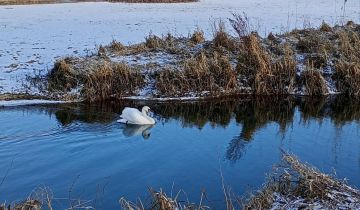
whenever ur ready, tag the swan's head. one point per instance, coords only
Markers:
(146, 109)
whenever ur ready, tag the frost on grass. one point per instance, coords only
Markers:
(310, 61)
(297, 185)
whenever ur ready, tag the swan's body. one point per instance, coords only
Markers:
(134, 116)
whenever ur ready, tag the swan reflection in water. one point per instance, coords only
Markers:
(137, 130)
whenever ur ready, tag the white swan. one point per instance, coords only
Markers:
(134, 116)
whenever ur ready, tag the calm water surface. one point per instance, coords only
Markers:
(79, 151)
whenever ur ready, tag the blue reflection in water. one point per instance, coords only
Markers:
(82, 148)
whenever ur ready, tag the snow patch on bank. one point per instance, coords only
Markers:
(34, 36)
(28, 102)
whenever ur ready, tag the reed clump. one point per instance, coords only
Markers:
(221, 39)
(298, 185)
(63, 76)
(200, 74)
(109, 80)
(347, 68)
(116, 46)
(197, 37)
(99, 80)
(314, 82)
(265, 76)
(155, 43)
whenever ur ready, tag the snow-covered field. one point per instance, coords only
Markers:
(33, 36)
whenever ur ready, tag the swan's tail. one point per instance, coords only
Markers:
(122, 120)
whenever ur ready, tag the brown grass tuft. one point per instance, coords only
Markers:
(263, 75)
(325, 27)
(102, 51)
(197, 37)
(201, 73)
(116, 46)
(111, 80)
(301, 186)
(221, 38)
(314, 82)
(62, 77)
(347, 68)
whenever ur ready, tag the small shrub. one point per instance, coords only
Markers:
(240, 24)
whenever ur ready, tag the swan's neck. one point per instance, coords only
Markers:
(148, 117)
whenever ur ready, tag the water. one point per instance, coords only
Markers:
(80, 152)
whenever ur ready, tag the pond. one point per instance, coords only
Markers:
(79, 151)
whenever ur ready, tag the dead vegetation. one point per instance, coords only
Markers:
(314, 82)
(198, 36)
(213, 74)
(298, 185)
(264, 75)
(347, 69)
(63, 76)
(221, 38)
(292, 185)
(307, 62)
(111, 81)
(99, 80)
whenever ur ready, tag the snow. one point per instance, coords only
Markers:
(33, 36)
(27, 102)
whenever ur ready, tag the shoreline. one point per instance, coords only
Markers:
(34, 2)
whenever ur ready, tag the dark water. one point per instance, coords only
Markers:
(79, 151)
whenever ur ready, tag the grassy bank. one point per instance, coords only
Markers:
(291, 185)
(313, 61)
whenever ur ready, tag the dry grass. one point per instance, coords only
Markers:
(154, 42)
(221, 39)
(197, 37)
(116, 46)
(63, 76)
(98, 81)
(347, 69)
(303, 186)
(314, 82)
(111, 80)
(325, 27)
(263, 75)
(264, 66)
(160, 201)
(201, 73)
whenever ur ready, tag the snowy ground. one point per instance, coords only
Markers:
(33, 36)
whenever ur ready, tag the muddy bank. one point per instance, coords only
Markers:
(311, 61)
